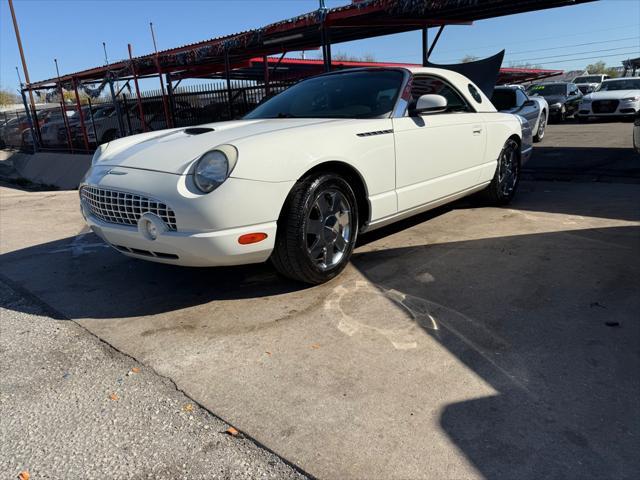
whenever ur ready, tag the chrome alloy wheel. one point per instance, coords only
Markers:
(508, 170)
(328, 228)
(542, 126)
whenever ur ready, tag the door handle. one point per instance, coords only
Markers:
(477, 129)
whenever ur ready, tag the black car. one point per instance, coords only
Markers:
(563, 98)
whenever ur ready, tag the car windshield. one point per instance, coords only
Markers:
(358, 94)
(103, 112)
(588, 79)
(626, 84)
(503, 98)
(548, 89)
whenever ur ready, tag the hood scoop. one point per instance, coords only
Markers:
(198, 130)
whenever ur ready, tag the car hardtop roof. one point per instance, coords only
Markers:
(409, 69)
(454, 77)
(620, 78)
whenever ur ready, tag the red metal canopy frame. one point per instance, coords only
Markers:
(295, 68)
(321, 28)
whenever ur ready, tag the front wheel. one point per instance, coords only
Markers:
(505, 182)
(317, 229)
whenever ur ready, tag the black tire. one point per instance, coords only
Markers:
(295, 245)
(582, 119)
(542, 125)
(498, 192)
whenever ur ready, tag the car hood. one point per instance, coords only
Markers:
(551, 99)
(613, 95)
(174, 150)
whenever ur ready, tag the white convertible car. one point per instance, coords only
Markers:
(302, 175)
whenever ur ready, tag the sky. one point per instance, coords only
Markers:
(72, 31)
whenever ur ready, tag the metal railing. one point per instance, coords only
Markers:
(103, 122)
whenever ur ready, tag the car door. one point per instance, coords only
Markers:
(527, 108)
(439, 154)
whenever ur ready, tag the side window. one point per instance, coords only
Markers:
(427, 84)
(520, 97)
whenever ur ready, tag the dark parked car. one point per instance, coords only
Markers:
(563, 98)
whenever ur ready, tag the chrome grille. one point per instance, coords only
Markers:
(124, 208)
(605, 106)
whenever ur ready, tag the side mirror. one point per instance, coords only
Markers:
(529, 103)
(430, 104)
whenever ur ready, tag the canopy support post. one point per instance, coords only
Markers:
(425, 46)
(227, 74)
(81, 114)
(135, 83)
(435, 41)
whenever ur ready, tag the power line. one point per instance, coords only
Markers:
(634, 25)
(581, 53)
(574, 45)
(591, 58)
(549, 57)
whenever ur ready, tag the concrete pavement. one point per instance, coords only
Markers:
(464, 343)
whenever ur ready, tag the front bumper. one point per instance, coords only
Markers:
(204, 249)
(207, 226)
(624, 109)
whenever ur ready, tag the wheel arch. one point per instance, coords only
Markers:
(356, 181)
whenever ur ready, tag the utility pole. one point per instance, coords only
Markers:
(24, 62)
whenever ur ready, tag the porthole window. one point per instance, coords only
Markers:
(475, 94)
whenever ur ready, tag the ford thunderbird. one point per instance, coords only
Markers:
(301, 176)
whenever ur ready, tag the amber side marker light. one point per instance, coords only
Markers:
(249, 238)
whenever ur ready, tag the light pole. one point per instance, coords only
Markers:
(24, 62)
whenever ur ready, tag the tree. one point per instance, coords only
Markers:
(601, 67)
(344, 57)
(468, 58)
(7, 97)
(533, 66)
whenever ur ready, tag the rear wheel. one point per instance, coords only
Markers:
(505, 182)
(542, 125)
(317, 229)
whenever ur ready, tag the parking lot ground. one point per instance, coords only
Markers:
(73, 407)
(464, 343)
(598, 150)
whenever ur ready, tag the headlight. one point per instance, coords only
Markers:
(214, 167)
(556, 105)
(99, 151)
(631, 99)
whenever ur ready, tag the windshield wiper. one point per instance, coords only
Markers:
(284, 115)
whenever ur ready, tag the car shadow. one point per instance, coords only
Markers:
(621, 165)
(546, 320)
(92, 280)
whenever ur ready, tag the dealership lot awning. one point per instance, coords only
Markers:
(356, 21)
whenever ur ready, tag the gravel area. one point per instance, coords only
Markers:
(73, 407)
